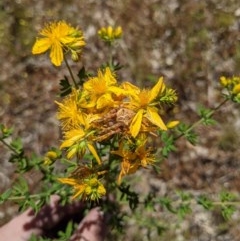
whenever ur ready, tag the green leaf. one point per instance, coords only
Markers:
(21, 161)
(82, 73)
(169, 144)
(167, 203)
(17, 145)
(65, 235)
(65, 87)
(187, 132)
(131, 197)
(227, 211)
(149, 201)
(206, 115)
(205, 202)
(21, 189)
(184, 196)
(4, 196)
(226, 196)
(183, 210)
(37, 238)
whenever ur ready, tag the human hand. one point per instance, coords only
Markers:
(22, 227)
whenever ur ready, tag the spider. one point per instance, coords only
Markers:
(83, 172)
(115, 122)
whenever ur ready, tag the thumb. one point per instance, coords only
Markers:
(91, 228)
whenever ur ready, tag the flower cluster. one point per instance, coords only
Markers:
(59, 38)
(110, 34)
(103, 112)
(105, 123)
(232, 85)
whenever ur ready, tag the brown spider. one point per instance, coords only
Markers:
(114, 122)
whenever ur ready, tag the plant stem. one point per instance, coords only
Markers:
(236, 203)
(9, 146)
(24, 197)
(193, 202)
(202, 119)
(71, 73)
(110, 57)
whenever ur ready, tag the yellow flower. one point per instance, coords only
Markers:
(78, 186)
(94, 189)
(109, 34)
(143, 102)
(78, 140)
(144, 156)
(134, 155)
(51, 156)
(232, 85)
(103, 88)
(127, 167)
(59, 37)
(129, 161)
(70, 112)
(87, 189)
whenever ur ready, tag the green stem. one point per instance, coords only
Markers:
(236, 203)
(193, 202)
(24, 197)
(202, 119)
(9, 146)
(110, 56)
(71, 73)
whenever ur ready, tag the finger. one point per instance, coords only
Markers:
(54, 200)
(50, 215)
(91, 228)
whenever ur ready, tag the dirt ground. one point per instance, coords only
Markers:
(189, 42)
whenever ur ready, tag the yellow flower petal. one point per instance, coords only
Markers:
(156, 89)
(104, 101)
(136, 123)
(155, 119)
(94, 152)
(130, 88)
(79, 188)
(79, 191)
(41, 46)
(56, 54)
(172, 124)
(236, 89)
(223, 81)
(109, 77)
(72, 136)
(71, 152)
(69, 181)
(110, 31)
(118, 32)
(116, 90)
(101, 190)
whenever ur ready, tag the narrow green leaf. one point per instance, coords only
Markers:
(4, 196)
